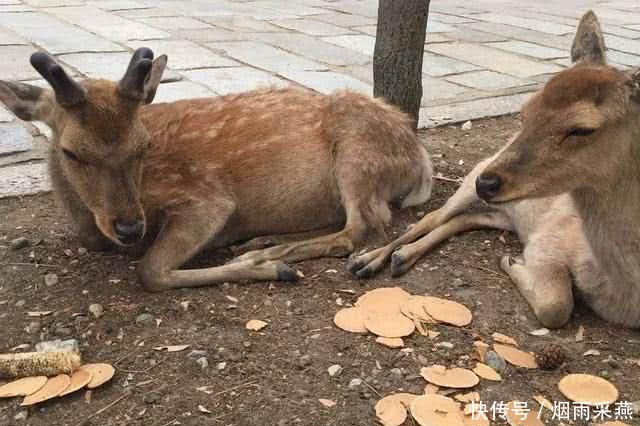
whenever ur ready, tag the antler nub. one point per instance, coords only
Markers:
(68, 92)
(132, 83)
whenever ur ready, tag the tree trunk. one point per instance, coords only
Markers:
(397, 59)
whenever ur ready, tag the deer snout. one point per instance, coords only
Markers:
(488, 185)
(129, 231)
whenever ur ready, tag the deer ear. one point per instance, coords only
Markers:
(29, 103)
(152, 81)
(588, 44)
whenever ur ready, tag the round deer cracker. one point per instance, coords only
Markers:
(477, 419)
(405, 398)
(256, 325)
(447, 311)
(390, 412)
(100, 374)
(515, 356)
(391, 342)
(53, 388)
(351, 320)
(386, 300)
(79, 379)
(22, 387)
(436, 410)
(521, 416)
(457, 378)
(504, 339)
(389, 325)
(486, 372)
(588, 389)
(413, 308)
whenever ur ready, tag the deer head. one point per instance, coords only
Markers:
(575, 132)
(99, 140)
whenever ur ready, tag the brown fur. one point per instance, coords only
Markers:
(573, 198)
(211, 172)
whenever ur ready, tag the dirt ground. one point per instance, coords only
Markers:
(275, 377)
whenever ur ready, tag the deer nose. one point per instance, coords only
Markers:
(488, 185)
(129, 231)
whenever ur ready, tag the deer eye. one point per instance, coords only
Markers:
(580, 132)
(71, 156)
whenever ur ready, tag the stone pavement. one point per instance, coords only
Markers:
(482, 57)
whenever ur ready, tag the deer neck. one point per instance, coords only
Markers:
(611, 216)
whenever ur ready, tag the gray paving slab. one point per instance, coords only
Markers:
(185, 54)
(246, 24)
(175, 23)
(488, 80)
(493, 59)
(15, 63)
(363, 44)
(313, 48)
(5, 115)
(55, 36)
(623, 58)
(171, 92)
(532, 24)
(293, 7)
(16, 8)
(114, 5)
(438, 66)
(23, 179)
(530, 49)
(472, 36)
(328, 82)
(8, 39)
(106, 24)
(312, 27)
(54, 3)
(345, 20)
(449, 19)
(516, 33)
(207, 35)
(437, 89)
(355, 7)
(266, 57)
(439, 27)
(622, 44)
(14, 138)
(152, 12)
(224, 81)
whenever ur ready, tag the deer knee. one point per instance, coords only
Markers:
(555, 313)
(152, 279)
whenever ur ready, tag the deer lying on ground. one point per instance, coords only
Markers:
(568, 183)
(311, 172)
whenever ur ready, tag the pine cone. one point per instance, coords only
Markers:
(551, 356)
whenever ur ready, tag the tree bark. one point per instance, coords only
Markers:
(399, 50)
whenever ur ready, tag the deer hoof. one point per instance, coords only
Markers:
(366, 272)
(398, 264)
(286, 273)
(354, 265)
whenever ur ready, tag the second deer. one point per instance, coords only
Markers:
(568, 183)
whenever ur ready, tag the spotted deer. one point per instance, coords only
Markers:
(312, 174)
(568, 184)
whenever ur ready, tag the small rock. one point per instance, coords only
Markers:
(152, 398)
(82, 251)
(354, 383)
(443, 165)
(334, 370)
(20, 303)
(304, 361)
(446, 345)
(203, 362)
(458, 282)
(423, 360)
(467, 126)
(221, 365)
(197, 354)
(50, 280)
(62, 331)
(144, 319)
(33, 327)
(635, 407)
(68, 253)
(22, 415)
(96, 310)
(17, 244)
(495, 361)
(612, 362)
(396, 371)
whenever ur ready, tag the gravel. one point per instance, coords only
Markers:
(334, 370)
(50, 280)
(495, 361)
(144, 319)
(96, 310)
(17, 244)
(203, 362)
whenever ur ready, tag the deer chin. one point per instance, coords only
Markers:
(105, 225)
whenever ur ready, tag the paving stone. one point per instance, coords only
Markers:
(436, 38)
(171, 92)
(488, 80)
(530, 49)
(622, 44)
(360, 43)
(221, 8)
(532, 24)
(472, 36)
(437, 66)
(313, 48)
(438, 27)
(361, 72)
(15, 63)
(15, 8)
(54, 3)
(493, 59)
(244, 24)
(448, 19)
(55, 36)
(106, 24)
(292, 7)
(622, 32)
(153, 12)
(355, 7)
(328, 82)
(23, 179)
(312, 27)
(623, 58)
(537, 37)
(437, 89)
(175, 23)
(6, 39)
(208, 35)
(184, 54)
(113, 5)
(14, 138)
(5, 115)
(110, 66)
(345, 20)
(471, 110)
(266, 57)
(234, 80)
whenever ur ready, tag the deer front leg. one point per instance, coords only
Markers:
(184, 235)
